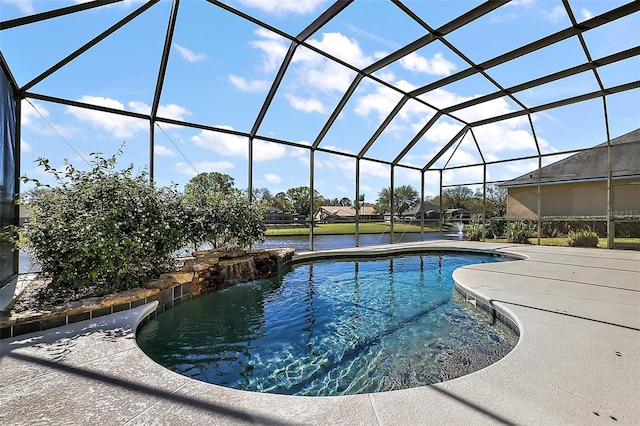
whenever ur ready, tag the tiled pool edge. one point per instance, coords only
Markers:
(166, 299)
(492, 310)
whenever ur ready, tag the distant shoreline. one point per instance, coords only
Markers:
(347, 229)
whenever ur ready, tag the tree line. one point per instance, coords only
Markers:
(298, 199)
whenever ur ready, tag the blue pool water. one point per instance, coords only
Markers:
(332, 328)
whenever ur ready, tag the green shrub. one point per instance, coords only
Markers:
(496, 227)
(473, 232)
(220, 215)
(582, 238)
(518, 232)
(224, 220)
(104, 228)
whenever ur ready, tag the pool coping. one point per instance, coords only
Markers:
(578, 311)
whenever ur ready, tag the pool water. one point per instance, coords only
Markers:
(332, 328)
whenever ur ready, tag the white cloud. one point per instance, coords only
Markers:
(248, 86)
(232, 145)
(298, 152)
(521, 167)
(316, 72)
(412, 116)
(312, 71)
(189, 55)
(382, 101)
(442, 132)
(437, 65)
(586, 14)
(524, 3)
(282, 7)
(34, 119)
(202, 167)
(458, 176)
(343, 47)
(25, 6)
(273, 47)
(385, 75)
(462, 157)
(492, 108)
(306, 105)
(373, 169)
(25, 147)
(121, 126)
(163, 151)
(173, 111)
(554, 15)
(272, 178)
(326, 76)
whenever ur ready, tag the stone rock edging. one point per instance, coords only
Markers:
(205, 272)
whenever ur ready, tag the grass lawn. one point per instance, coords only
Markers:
(562, 242)
(348, 228)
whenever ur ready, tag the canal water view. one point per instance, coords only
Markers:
(325, 242)
(301, 243)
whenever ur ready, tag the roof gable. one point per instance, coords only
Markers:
(590, 164)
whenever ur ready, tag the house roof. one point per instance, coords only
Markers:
(590, 165)
(340, 211)
(426, 208)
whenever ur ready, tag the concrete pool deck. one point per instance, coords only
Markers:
(577, 360)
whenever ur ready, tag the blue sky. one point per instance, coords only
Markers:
(221, 68)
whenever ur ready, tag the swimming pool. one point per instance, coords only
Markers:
(332, 328)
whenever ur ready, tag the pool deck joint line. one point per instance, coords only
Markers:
(577, 360)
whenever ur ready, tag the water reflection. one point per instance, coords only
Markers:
(325, 242)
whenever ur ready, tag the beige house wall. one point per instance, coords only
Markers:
(574, 199)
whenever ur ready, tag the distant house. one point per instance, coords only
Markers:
(330, 214)
(417, 212)
(577, 185)
(413, 213)
(274, 215)
(457, 214)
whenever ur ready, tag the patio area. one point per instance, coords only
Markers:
(577, 310)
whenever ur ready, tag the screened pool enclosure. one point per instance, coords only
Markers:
(346, 98)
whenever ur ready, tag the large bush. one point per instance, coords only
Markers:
(473, 232)
(582, 238)
(518, 232)
(224, 221)
(103, 228)
(220, 215)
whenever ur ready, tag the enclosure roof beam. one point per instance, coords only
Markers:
(383, 126)
(321, 20)
(78, 104)
(417, 137)
(456, 23)
(568, 101)
(453, 25)
(338, 109)
(11, 23)
(625, 54)
(446, 147)
(9, 74)
(168, 40)
(561, 35)
(106, 33)
(274, 88)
